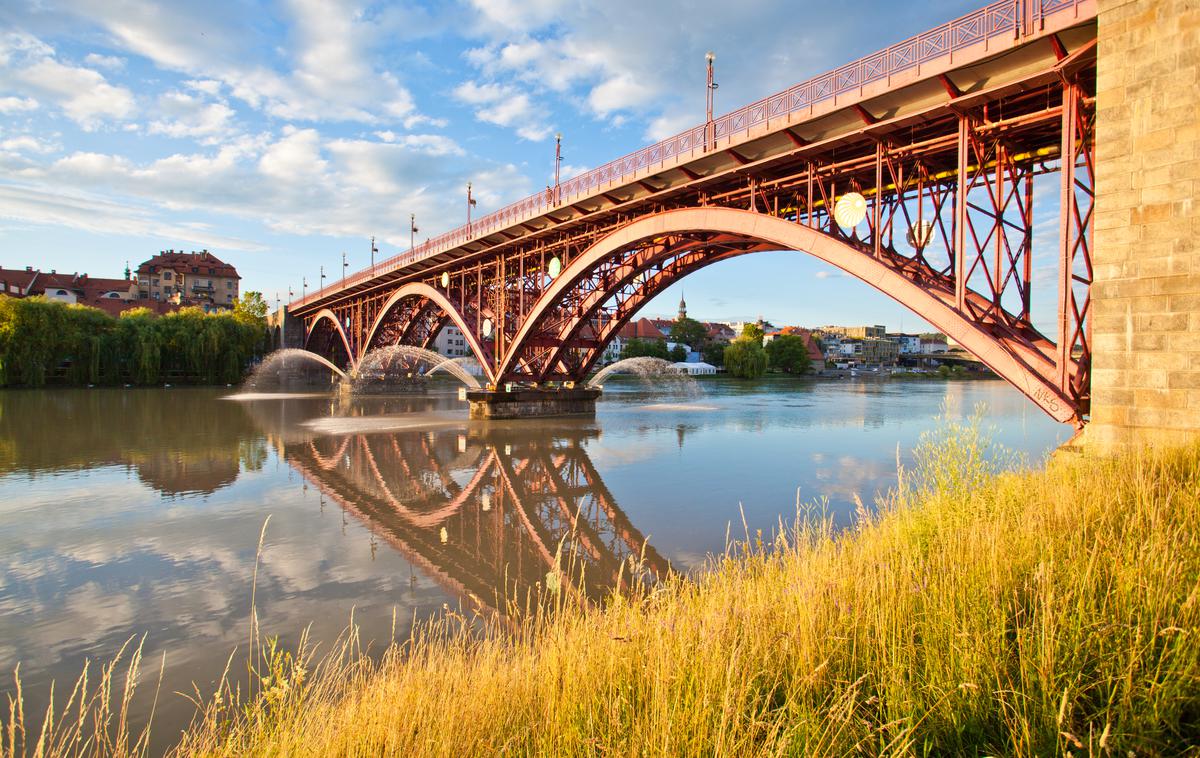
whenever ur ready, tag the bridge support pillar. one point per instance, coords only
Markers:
(1146, 289)
(287, 331)
(532, 403)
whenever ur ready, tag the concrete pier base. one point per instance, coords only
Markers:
(532, 403)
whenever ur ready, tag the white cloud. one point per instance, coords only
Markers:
(505, 105)
(184, 115)
(296, 157)
(208, 86)
(619, 92)
(84, 95)
(668, 125)
(27, 144)
(298, 182)
(97, 215)
(519, 14)
(324, 72)
(570, 172)
(614, 60)
(17, 104)
(830, 274)
(110, 62)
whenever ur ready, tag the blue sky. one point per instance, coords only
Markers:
(281, 134)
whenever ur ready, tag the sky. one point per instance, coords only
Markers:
(280, 135)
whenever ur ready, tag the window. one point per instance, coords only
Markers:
(154, 281)
(61, 292)
(228, 284)
(166, 276)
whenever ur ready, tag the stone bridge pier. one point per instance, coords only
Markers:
(1146, 288)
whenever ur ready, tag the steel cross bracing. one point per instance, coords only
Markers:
(525, 509)
(948, 176)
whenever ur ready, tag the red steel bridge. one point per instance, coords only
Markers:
(930, 146)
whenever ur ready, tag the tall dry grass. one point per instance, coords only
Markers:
(973, 612)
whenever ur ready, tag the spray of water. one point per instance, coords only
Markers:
(466, 368)
(653, 373)
(401, 368)
(293, 369)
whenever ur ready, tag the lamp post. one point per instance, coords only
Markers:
(344, 265)
(557, 167)
(710, 93)
(322, 278)
(470, 204)
(303, 287)
(412, 232)
(373, 251)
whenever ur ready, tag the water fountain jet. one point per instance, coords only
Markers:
(653, 373)
(403, 368)
(292, 368)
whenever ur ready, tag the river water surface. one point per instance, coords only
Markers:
(138, 512)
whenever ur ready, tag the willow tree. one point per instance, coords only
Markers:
(141, 345)
(745, 358)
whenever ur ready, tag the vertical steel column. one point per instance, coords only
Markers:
(960, 217)
(1066, 235)
(877, 214)
(1027, 273)
(1001, 205)
(808, 209)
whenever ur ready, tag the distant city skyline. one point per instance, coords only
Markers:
(128, 128)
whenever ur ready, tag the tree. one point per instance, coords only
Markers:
(713, 353)
(745, 358)
(789, 352)
(251, 313)
(636, 348)
(753, 331)
(690, 332)
(677, 353)
(251, 306)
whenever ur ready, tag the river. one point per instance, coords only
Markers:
(138, 512)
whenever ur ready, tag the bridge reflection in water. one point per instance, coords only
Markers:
(489, 514)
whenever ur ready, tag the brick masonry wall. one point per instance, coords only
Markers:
(1146, 308)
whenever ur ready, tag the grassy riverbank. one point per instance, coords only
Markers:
(975, 613)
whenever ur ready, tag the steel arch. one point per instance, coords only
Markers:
(1025, 368)
(327, 315)
(420, 289)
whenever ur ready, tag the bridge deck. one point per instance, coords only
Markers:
(999, 45)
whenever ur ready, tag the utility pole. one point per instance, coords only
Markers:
(557, 167)
(470, 203)
(710, 92)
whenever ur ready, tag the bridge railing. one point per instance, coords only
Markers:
(1012, 17)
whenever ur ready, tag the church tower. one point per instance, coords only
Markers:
(682, 308)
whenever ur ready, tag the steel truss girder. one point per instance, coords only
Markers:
(950, 208)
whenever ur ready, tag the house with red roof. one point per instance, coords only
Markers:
(810, 343)
(193, 278)
(67, 288)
